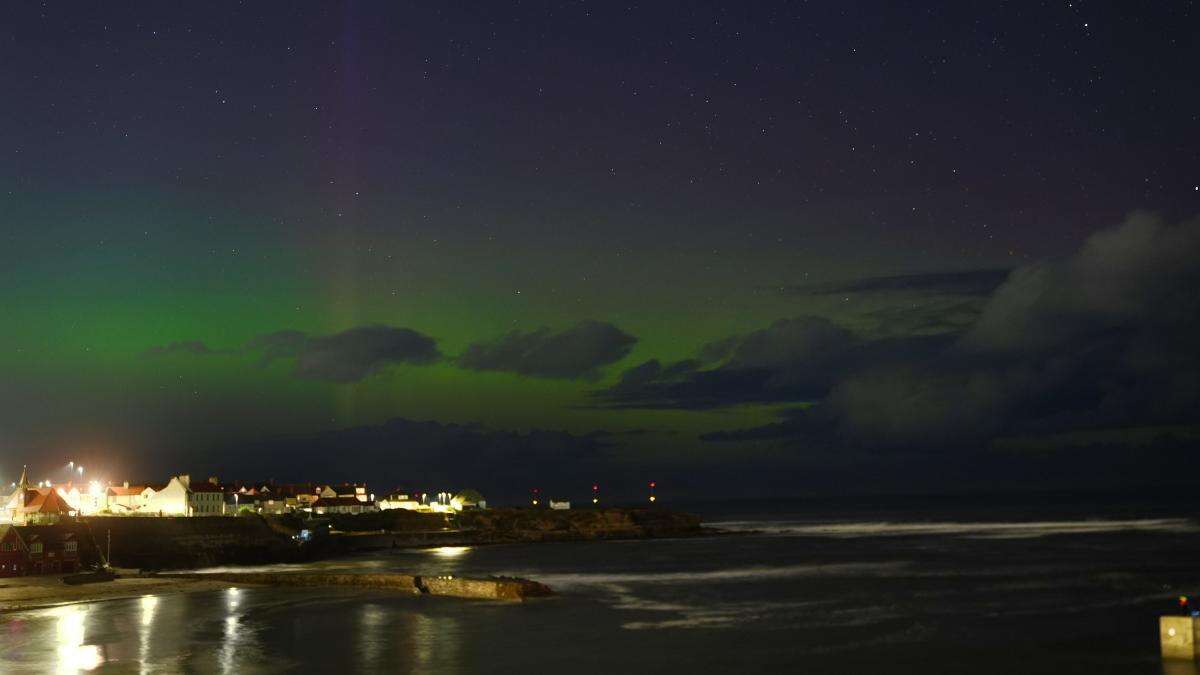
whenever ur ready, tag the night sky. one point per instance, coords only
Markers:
(764, 248)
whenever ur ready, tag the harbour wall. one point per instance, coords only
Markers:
(496, 588)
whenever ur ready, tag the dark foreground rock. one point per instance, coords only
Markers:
(573, 525)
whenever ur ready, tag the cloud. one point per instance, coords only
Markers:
(1104, 338)
(796, 359)
(195, 347)
(578, 352)
(349, 356)
(282, 344)
(966, 282)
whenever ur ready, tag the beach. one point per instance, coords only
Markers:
(35, 592)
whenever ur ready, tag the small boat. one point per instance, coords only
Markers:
(93, 577)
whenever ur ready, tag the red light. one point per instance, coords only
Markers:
(595, 488)
(652, 483)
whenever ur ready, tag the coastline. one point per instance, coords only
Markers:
(22, 594)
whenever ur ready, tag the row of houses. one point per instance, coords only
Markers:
(179, 496)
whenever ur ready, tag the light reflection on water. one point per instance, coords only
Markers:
(149, 604)
(231, 631)
(73, 654)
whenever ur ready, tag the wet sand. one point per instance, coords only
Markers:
(34, 592)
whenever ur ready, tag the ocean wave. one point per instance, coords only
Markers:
(984, 530)
(717, 615)
(734, 574)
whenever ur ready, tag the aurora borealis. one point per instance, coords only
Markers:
(764, 249)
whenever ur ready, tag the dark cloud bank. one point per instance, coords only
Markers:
(352, 355)
(578, 352)
(967, 282)
(349, 356)
(1102, 339)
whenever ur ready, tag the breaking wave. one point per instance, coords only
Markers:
(736, 574)
(988, 530)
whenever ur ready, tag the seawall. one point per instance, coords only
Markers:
(165, 543)
(496, 588)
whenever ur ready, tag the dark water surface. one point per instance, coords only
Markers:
(824, 588)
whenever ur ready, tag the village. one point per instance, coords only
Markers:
(31, 542)
(44, 503)
(65, 528)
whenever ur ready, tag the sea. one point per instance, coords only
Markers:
(1017, 584)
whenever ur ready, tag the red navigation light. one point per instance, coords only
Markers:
(595, 488)
(652, 484)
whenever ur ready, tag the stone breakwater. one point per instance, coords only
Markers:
(494, 588)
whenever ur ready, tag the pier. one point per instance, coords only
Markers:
(490, 588)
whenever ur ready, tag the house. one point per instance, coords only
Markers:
(326, 505)
(125, 499)
(291, 497)
(47, 506)
(38, 504)
(356, 490)
(14, 554)
(560, 504)
(468, 499)
(401, 499)
(51, 550)
(206, 499)
(171, 499)
(241, 501)
(88, 500)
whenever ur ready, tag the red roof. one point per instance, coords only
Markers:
(122, 491)
(48, 502)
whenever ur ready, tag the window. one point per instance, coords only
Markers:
(35, 547)
(71, 546)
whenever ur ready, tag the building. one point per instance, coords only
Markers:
(39, 504)
(468, 499)
(327, 505)
(560, 504)
(172, 499)
(206, 499)
(356, 490)
(88, 500)
(14, 554)
(400, 499)
(52, 550)
(38, 549)
(126, 499)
